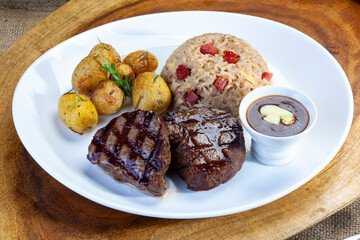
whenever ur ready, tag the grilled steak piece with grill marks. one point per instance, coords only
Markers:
(134, 148)
(207, 146)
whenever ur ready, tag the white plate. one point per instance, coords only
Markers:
(296, 60)
(356, 237)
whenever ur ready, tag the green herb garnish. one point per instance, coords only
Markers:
(103, 44)
(145, 56)
(97, 53)
(123, 83)
(76, 100)
(138, 102)
(69, 91)
(155, 78)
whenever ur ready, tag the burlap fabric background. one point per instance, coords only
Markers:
(18, 16)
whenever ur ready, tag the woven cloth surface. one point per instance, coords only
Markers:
(19, 16)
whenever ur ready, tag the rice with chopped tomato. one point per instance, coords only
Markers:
(214, 70)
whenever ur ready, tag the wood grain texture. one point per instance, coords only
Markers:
(35, 206)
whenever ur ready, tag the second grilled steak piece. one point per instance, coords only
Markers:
(207, 146)
(134, 148)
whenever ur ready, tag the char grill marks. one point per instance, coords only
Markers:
(134, 148)
(208, 146)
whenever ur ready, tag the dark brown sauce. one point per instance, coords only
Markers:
(255, 118)
(128, 164)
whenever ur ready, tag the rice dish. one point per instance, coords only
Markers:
(214, 70)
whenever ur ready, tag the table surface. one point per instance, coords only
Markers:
(34, 205)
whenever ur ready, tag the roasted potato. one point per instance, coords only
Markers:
(108, 98)
(141, 61)
(77, 112)
(150, 92)
(88, 73)
(101, 53)
(125, 69)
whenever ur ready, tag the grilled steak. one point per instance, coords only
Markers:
(207, 146)
(134, 148)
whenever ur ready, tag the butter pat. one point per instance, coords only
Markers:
(274, 114)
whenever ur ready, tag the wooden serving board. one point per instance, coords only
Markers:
(33, 205)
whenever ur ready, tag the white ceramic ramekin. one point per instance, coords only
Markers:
(275, 150)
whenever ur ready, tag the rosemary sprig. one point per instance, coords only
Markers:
(130, 81)
(124, 84)
(138, 102)
(76, 100)
(155, 78)
(69, 91)
(103, 44)
(97, 53)
(145, 56)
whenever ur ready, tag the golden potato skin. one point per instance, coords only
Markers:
(88, 73)
(79, 115)
(141, 61)
(108, 98)
(125, 69)
(154, 96)
(112, 56)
